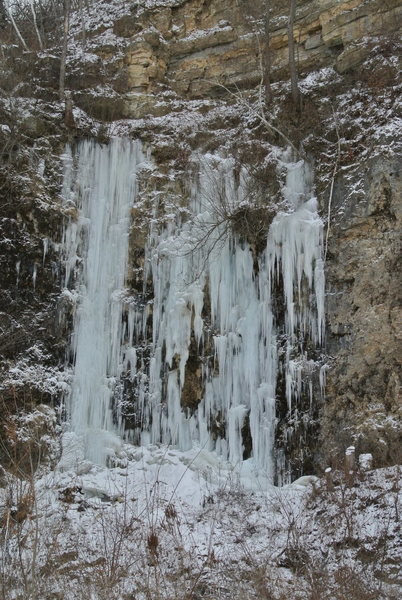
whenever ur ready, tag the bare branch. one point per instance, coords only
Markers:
(258, 115)
(331, 191)
(36, 24)
(14, 24)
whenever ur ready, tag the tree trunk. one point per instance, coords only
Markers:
(68, 114)
(36, 25)
(294, 83)
(267, 54)
(84, 32)
(66, 27)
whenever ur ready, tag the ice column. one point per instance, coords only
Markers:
(99, 190)
(294, 255)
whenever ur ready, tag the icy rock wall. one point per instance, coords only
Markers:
(206, 287)
(100, 185)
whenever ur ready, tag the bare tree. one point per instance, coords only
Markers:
(266, 8)
(294, 83)
(84, 32)
(266, 57)
(66, 28)
(68, 114)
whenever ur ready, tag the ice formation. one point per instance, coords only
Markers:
(204, 283)
(101, 188)
(208, 299)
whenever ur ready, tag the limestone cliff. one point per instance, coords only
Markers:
(195, 47)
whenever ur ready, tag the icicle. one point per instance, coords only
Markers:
(34, 275)
(323, 378)
(131, 362)
(41, 167)
(17, 268)
(45, 242)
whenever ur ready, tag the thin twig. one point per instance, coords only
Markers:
(331, 191)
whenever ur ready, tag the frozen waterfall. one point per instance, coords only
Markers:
(99, 188)
(217, 338)
(210, 298)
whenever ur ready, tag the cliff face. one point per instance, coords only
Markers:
(32, 339)
(364, 316)
(184, 75)
(194, 47)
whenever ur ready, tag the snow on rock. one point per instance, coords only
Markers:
(366, 461)
(305, 481)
